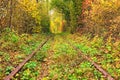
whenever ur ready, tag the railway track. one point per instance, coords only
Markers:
(17, 69)
(97, 67)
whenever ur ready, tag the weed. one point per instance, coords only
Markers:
(85, 65)
(72, 77)
(26, 74)
(14, 38)
(85, 49)
(26, 49)
(6, 57)
(1, 70)
(31, 65)
(29, 74)
(1, 53)
(97, 74)
(40, 56)
(8, 70)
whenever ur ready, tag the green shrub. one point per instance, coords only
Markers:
(40, 56)
(14, 38)
(31, 65)
(8, 70)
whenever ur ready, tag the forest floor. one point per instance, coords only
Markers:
(57, 60)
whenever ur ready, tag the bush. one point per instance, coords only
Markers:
(103, 19)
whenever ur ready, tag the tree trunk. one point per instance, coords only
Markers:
(10, 18)
(37, 1)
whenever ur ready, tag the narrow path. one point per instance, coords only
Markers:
(46, 63)
(45, 67)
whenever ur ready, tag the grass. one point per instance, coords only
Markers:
(65, 63)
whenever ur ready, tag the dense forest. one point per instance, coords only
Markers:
(59, 39)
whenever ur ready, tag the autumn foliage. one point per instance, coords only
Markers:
(101, 17)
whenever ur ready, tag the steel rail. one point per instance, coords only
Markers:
(17, 69)
(98, 67)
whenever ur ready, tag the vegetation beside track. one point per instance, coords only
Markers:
(63, 61)
(93, 26)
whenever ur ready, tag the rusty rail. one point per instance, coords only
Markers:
(100, 69)
(17, 69)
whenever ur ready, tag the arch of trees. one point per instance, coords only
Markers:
(87, 16)
(33, 16)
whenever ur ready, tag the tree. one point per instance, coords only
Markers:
(71, 10)
(3, 13)
(45, 18)
(20, 15)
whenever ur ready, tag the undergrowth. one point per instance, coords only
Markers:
(68, 65)
(13, 50)
(65, 63)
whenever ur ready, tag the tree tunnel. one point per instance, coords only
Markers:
(56, 21)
